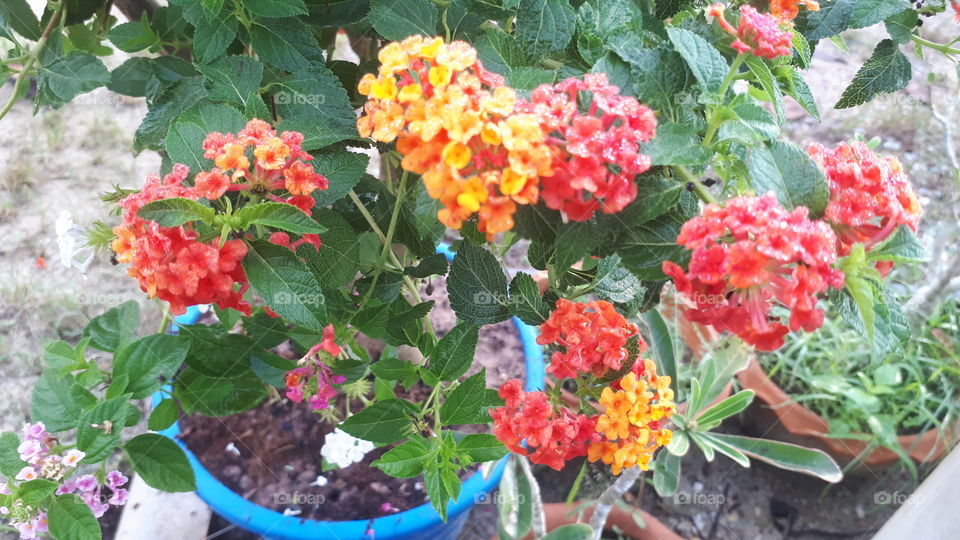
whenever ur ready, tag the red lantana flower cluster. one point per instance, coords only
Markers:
(757, 33)
(171, 263)
(595, 153)
(591, 336)
(553, 435)
(870, 195)
(749, 253)
(300, 381)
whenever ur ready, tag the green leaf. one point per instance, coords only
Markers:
(286, 284)
(218, 396)
(870, 12)
(900, 26)
(575, 531)
(406, 460)
(726, 408)
(662, 345)
(434, 265)
(453, 354)
(315, 104)
(666, 473)
(133, 36)
(515, 503)
(99, 442)
(797, 89)
(660, 77)
(888, 70)
(790, 174)
(786, 456)
(392, 368)
(337, 262)
(279, 216)
(764, 77)
(706, 63)
(148, 362)
(527, 303)
(383, 422)
(275, 8)
(676, 144)
(397, 19)
(901, 246)
(10, 462)
(545, 26)
(160, 462)
(75, 73)
(477, 286)
(233, 79)
(184, 140)
(163, 415)
(131, 77)
(644, 247)
(465, 404)
(175, 212)
(830, 20)
(343, 170)
(707, 439)
(213, 35)
(58, 401)
(114, 328)
(171, 102)
(35, 491)
(750, 123)
(528, 78)
(438, 494)
(69, 518)
(21, 18)
(287, 44)
(501, 52)
(481, 447)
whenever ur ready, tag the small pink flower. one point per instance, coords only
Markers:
(27, 473)
(32, 450)
(87, 483)
(119, 497)
(388, 508)
(72, 457)
(115, 479)
(37, 432)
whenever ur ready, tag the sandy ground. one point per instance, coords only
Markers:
(62, 160)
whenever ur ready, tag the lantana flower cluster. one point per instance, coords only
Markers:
(591, 338)
(482, 151)
(173, 263)
(633, 418)
(787, 10)
(758, 33)
(595, 153)
(553, 434)
(870, 195)
(313, 378)
(45, 460)
(749, 253)
(454, 124)
(635, 407)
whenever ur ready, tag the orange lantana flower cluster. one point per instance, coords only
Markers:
(454, 124)
(633, 418)
(787, 10)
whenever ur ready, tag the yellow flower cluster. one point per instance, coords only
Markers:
(455, 124)
(632, 419)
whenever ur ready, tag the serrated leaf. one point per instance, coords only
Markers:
(175, 212)
(275, 8)
(279, 216)
(315, 104)
(790, 174)
(453, 354)
(643, 248)
(465, 404)
(132, 36)
(21, 18)
(98, 430)
(233, 79)
(115, 327)
(477, 286)
(213, 35)
(337, 262)
(676, 144)
(131, 77)
(902, 246)
(900, 26)
(287, 44)
(545, 26)
(887, 70)
(145, 363)
(705, 61)
(160, 462)
(501, 52)
(75, 73)
(869, 12)
(69, 518)
(163, 415)
(406, 460)
(286, 284)
(383, 422)
(527, 303)
(10, 462)
(58, 401)
(481, 447)
(397, 19)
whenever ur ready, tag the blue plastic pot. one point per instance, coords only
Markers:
(421, 522)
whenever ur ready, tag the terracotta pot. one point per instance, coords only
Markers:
(559, 514)
(799, 420)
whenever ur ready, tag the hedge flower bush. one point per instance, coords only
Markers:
(627, 150)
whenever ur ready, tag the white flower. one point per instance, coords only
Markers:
(72, 457)
(343, 449)
(72, 243)
(320, 481)
(26, 474)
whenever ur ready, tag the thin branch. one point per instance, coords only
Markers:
(611, 496)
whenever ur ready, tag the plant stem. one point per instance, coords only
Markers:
(366, 214)
(713, 122)
(165, 320)
(539, 518)
(695, 184)
(943, 48)
(611, 496)
(24, 71)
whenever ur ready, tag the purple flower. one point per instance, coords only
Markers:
(115, 479)
(36, 432)
(119, 497)
(87, 483)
